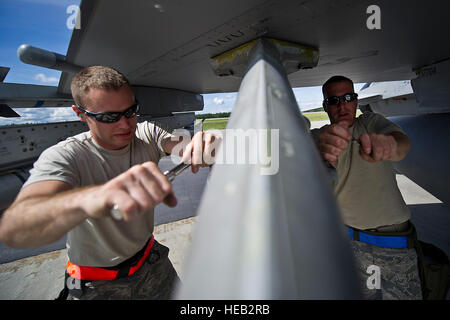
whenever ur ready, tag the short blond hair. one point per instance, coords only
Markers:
(98, 77)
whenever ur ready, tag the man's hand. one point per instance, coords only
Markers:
(140, 188)
(333, 140)
(201, 150)
(380, 147)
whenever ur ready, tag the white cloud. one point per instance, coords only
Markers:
(40, 115)
(62, 114)
(42, 78)
(218, 100)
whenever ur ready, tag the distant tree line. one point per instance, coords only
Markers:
(213, 115)
(315, 110)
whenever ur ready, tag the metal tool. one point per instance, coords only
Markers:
(170, 174)
(356, 140)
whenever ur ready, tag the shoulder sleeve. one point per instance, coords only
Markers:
(377, 123)
(55, 163)
(154, 134)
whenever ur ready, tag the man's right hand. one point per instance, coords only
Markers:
(332, 141)
(140, 188)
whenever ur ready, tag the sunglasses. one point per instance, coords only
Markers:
(348, 97)
(111, 117)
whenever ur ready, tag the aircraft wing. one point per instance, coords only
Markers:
(169, 43)
(388, 98)
(18, 95)
(15, 95)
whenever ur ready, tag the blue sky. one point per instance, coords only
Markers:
(43, 23)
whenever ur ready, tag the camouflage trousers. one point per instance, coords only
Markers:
(155, 279)
(387, 273)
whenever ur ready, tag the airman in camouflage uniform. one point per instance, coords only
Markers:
(362, 151)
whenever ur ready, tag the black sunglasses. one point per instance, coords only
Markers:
(110, 117)
(348, 97)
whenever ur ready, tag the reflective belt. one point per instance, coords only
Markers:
(96, 273)
(401, 241)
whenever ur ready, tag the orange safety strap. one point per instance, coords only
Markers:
(97, 274)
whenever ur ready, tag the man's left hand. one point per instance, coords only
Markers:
(200, 152)
(377, 147)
